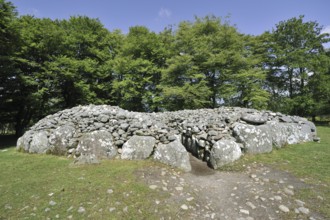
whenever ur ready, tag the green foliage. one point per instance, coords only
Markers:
(137, 70)
(9, 44)
(296, 53)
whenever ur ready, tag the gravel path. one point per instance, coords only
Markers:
(260, 192)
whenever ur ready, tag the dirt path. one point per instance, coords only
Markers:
(260, 192)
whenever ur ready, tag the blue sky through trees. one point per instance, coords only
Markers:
(249, 16)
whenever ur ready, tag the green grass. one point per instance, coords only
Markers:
(309, 161)
(28, 181)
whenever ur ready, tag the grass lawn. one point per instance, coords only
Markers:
(45, 186)
(308, 161)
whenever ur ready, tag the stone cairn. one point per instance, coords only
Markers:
(217, 136)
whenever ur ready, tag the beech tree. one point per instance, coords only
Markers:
(9, 45)
(137, 70)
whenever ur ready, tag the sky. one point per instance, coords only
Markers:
(249, 16)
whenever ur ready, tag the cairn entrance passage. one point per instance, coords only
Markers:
(216, 136)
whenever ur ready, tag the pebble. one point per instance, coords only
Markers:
(283, 208)
(253, 176)
(288, 191)
(190, 199)
(7, 206)
(153, 186)
(320, 198)
(244, 211)
(47, 209)
(300, 203)
(184, 207)
(125, 209)
(179, 188)
(52, 203)
(278, 198)
(81, 209)
(304, 210)
(111, 209)
(109, 191)
(251, 205)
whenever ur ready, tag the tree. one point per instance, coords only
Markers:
(297, 52)
(82, 71)
(9, 41)
(137, 70)
(40, 42)
(214, 58)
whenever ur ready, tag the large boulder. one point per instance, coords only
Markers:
(279, 133)
(62, 139)
(173, 154)
(138, 147)
(255, 139)
(23, 143)
(98, 143)
(39, 143)
(223, 152)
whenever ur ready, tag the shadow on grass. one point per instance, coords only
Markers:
(7, 141)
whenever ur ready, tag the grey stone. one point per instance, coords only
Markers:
(124, 126)
(103, 118)
(254, 119)
(279, 133)
(98, 143)
(39, 143)
(303, 210)
(173, 154)
(285, 119)
(23, 143)
(224, 152)
(62, 139)
(212, 133)
(283, 208)
(138, 147)
(255, 139)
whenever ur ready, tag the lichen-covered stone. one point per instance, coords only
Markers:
(39, 143)
(138, 147)
(255, 139)
(224, 152)
(98, 143)
(173, 154)
(62, 139)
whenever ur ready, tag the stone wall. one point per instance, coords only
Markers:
(217, 136)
